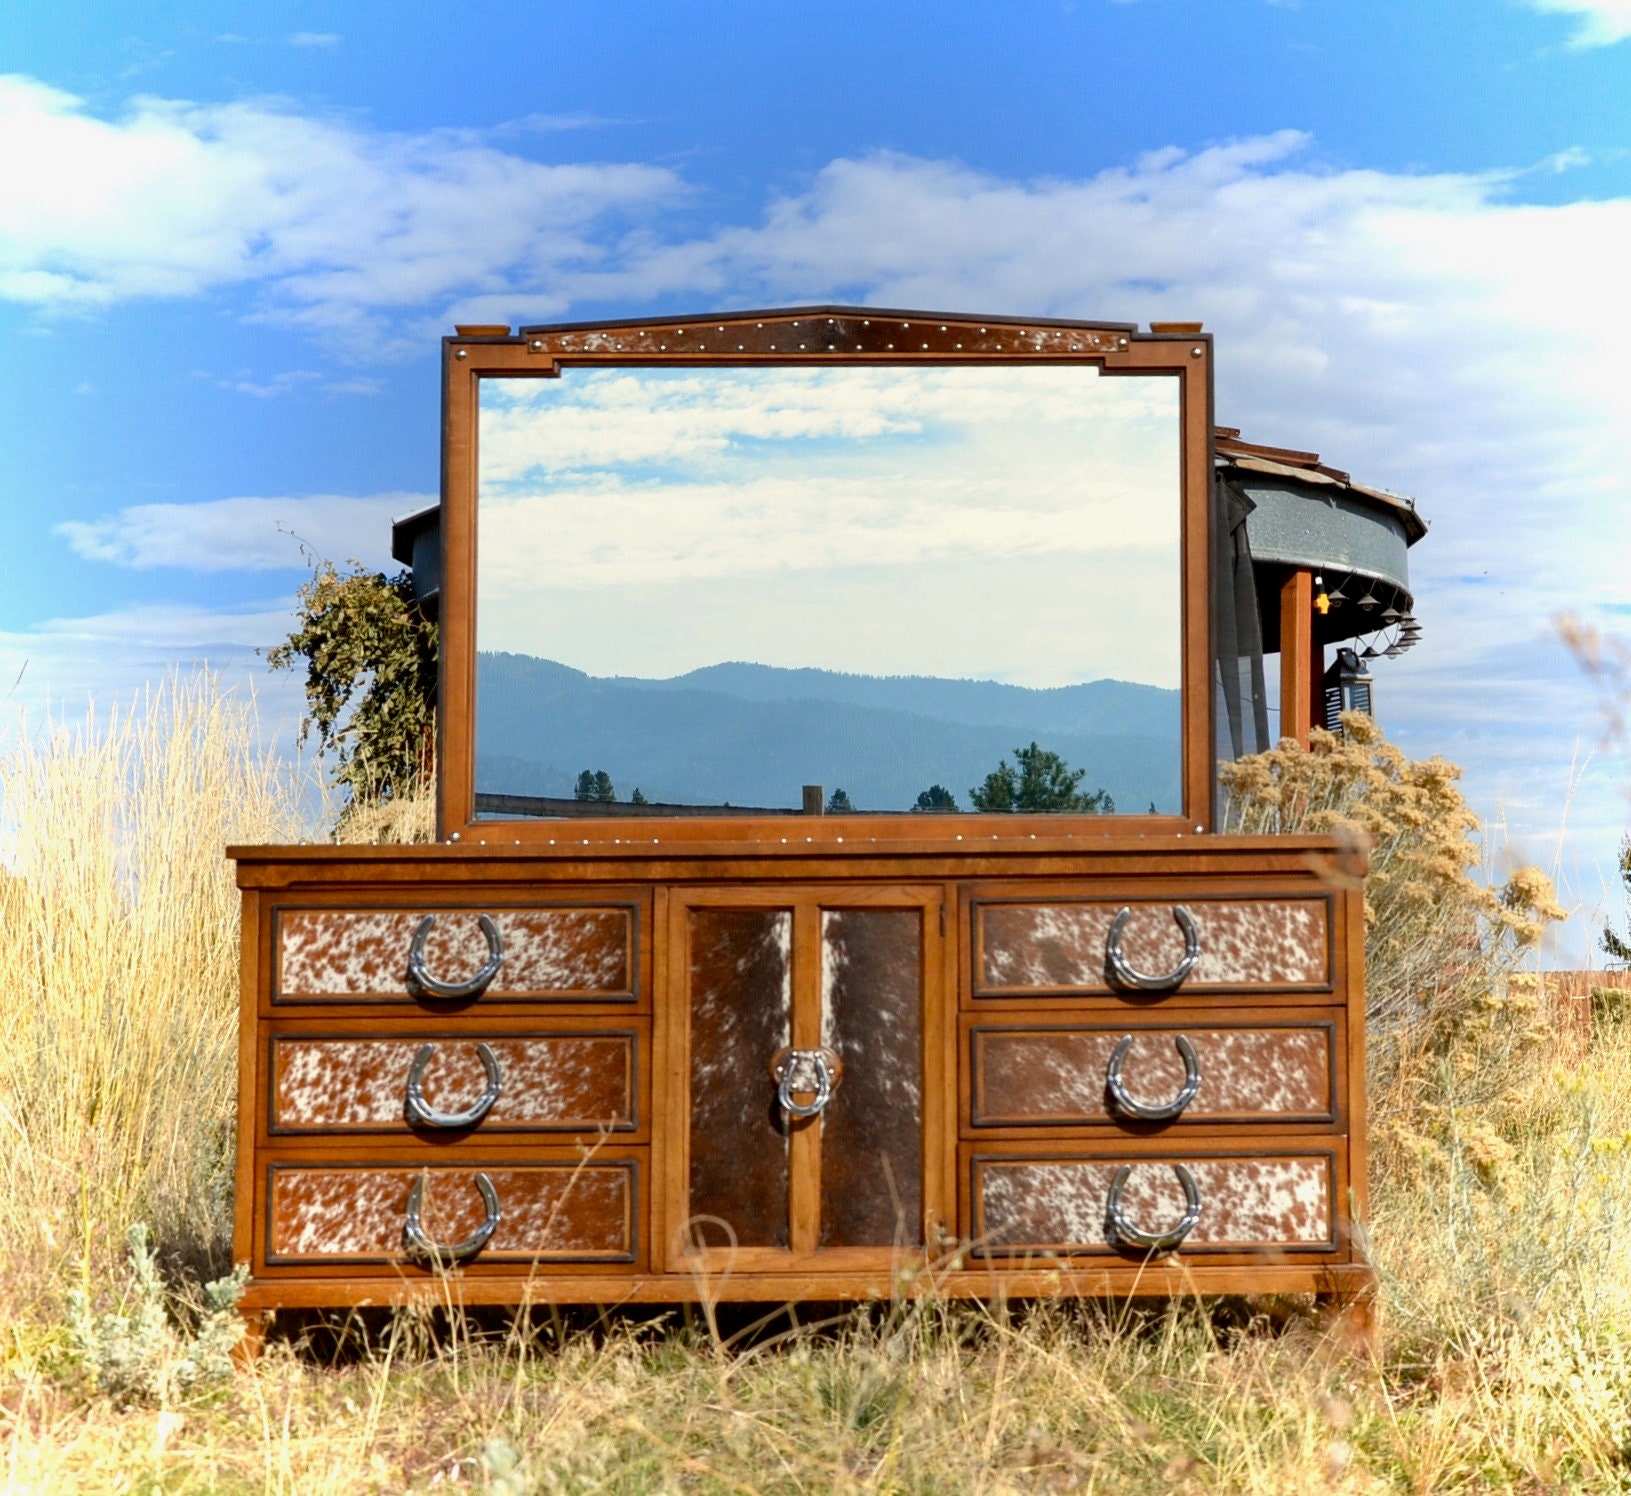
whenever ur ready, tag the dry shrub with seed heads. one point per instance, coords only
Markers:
(1450, 1014)
(1437, 941)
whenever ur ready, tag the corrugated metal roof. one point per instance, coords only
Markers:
(1306, 467)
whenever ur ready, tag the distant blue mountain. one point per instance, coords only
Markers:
(754, 734)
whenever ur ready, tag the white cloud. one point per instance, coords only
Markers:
(171, 626)
(602, 479)
(335, 224)
(244, 534)
(1015, 523)
(58, 670)
(318, 39)
(1426, 330)
(1602, 22)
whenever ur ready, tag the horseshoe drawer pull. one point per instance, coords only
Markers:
(430, 986)
(1130, 1106)
(1125, 974)
(440, 1253)
(1123, 1230)
(421, 1113)
(793, 1069)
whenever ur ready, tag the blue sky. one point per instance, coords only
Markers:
(230, 236)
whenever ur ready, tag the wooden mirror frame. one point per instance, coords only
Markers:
(821, 335)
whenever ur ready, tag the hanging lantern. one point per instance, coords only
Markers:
(1347, 689)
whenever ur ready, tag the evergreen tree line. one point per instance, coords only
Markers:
(1037, 780)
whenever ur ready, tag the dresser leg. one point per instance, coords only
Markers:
(1349, 1319)
(253, 1340)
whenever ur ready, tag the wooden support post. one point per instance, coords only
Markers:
(1297, 656)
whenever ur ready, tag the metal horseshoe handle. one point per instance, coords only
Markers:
(1124, 1230)
(433, 986)
(1128, 977)
(421, 1113)
(420, 1245)
(807, 1070)
(1130, 1106)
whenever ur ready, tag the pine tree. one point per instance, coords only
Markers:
(1039, 780)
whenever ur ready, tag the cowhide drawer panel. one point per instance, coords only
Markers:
(563, 953)
(570, 1081)
(1062, 945)
(1055, 1074)
(1248, 1203)
(571, 1211)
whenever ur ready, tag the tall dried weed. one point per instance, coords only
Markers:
(1501, 1202)
(119, 965)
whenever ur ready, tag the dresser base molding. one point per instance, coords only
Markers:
(590, 1109)
(1333, 1286)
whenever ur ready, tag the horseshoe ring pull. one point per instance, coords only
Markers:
(1164, 1241)
(421, 1113)
(420, 979)
(1124, 972)
(805, 1070)
(441, 1253)
(1129, 1106)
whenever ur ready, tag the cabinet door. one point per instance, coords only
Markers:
(808, 1100)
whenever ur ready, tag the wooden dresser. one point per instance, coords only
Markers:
(672, 1070)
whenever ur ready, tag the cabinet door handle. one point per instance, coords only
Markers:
(1130, 1106)
(421, 1113)
(1123, 971)
(807, 1070)
(1121, 1229)
(440, 1253)
(429, 986)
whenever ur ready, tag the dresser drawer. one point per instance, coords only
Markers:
(347, 1079)
(562, 1212)
(1025, 947)
(1041, 1072)
(1249, 1200)
(568, 953)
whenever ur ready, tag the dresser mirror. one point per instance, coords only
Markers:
(726, 582)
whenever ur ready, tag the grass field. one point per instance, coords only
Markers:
(1501, 1195)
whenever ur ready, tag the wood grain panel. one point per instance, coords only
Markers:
(580, 1082)
(741, 1013)
(872, 1131)
(1059, 1204)
(1042, 1074)
(1060, 946)
(566, 1212)
(565, 953)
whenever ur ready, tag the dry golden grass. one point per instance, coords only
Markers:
(394, 821)
(119, 965)
(1499, 1219)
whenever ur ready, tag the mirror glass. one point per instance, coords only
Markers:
(702, 589)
